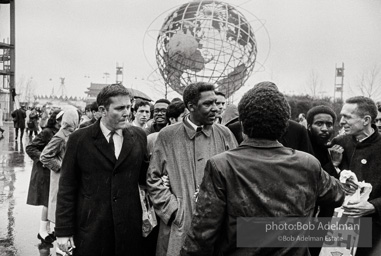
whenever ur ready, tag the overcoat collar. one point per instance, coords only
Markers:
(261, 143)
(190, 131)
(370, 140)
(103, 146)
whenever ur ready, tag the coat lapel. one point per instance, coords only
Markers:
(101, 143)
(128, 140)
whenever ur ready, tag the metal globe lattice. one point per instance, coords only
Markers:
(206, 41)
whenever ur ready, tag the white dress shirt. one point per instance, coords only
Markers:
(193, 124)
(118, 138)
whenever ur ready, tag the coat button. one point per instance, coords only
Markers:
(114, 198)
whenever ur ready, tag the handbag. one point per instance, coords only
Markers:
(149, 215)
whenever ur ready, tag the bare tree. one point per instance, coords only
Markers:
(26, 89)
(313, 83)
(159, 85)
(369, 83)
(163, 89)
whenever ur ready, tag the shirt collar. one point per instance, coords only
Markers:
(133, 123)
(106, 131)
(190, 128)
(193, 124)
(371, 133)
(261, 143)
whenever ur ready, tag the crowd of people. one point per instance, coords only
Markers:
(199, 164)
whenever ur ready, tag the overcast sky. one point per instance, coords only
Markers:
(83, 39)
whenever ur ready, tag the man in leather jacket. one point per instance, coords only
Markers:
(260, 178)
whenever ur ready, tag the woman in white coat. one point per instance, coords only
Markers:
(52, 155)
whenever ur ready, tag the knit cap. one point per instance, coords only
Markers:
(322, 109)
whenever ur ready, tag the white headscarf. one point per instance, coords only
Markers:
(70, 119)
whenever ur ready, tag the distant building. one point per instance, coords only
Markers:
(60, 101)
(95, 88)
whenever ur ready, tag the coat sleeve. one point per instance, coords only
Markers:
(232, 141)
(145, 163)
(236, 129)
(304, 142)
(49, 156)
(209, 214)
(227, 137)
(329, 190)
(164, 201)
(35, 148)
(330, 169)
(68, 191)
(377, 205)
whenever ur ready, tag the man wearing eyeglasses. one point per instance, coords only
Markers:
(159, 116)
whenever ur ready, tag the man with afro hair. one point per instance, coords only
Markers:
(260, 178)
(295, 136)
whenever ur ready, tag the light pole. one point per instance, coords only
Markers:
(106, 76)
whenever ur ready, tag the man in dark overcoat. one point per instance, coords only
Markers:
(360, 147)
(19, 116)
(98, 205)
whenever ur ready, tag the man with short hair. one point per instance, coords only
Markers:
(95, 115)
(159, 116)
(141, 113)
(176, 111)
(260, 178)
(181, 151)
(378, 118)
(99, 210)
(176, 99)
(302, 120)
(361, 147)
(221, 105)
(19, 116)
(88, 114)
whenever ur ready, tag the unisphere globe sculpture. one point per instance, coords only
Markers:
(206, 41)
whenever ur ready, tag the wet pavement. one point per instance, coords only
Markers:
(19, 222)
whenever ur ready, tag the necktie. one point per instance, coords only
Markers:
(111, 142)
(199, 129)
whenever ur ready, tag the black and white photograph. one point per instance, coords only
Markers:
(199, 127)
